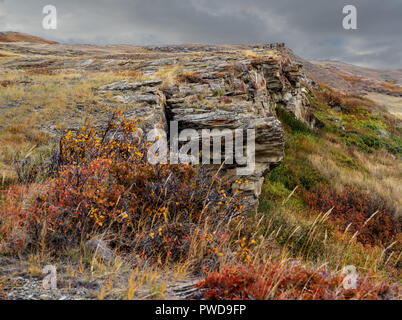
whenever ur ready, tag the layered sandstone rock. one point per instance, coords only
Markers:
(228, 90)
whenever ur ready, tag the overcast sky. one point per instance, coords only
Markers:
(312, 28)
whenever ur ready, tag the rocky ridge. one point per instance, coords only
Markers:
(199, 86)
(224, 91)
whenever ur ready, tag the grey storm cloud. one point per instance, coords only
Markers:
(312, 28)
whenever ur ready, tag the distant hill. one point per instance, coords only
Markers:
(384, 86)
(10, 36)
(349, 70)
(347, 77)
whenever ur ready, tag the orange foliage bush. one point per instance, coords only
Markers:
(332, 98)
(106, 185)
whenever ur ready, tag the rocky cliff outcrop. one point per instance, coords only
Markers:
(226, 90)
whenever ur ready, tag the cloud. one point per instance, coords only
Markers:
(312, 28)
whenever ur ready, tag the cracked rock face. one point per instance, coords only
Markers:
(224, 91)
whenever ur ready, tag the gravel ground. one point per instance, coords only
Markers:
(32, 289)
(18, 283)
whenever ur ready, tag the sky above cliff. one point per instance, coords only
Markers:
(312, 28)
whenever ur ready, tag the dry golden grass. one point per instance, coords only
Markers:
(381, 172)
(68, 96)
(250, 54)
(167, 75)
(392, 87)
(347, 77)
(33, 102)
(393, 104)
(5, 54)
(324, 245)
(131, 75)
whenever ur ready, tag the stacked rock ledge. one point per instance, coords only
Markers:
(225, 92)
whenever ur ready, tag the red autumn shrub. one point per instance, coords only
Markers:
(288, 281)
(14, 218)
(330, 97)
(105, 185)
(353, 209)
(188, 77)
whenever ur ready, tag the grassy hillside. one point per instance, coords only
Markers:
(334, 201)
(22, 37)
(351, 170)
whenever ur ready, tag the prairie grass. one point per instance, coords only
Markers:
(36, 106)
(168, 75)
(392, 87)
(381, 173)
(158, 242)
(314, 158)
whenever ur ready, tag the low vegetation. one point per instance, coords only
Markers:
(287, 281)
(334, 201)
